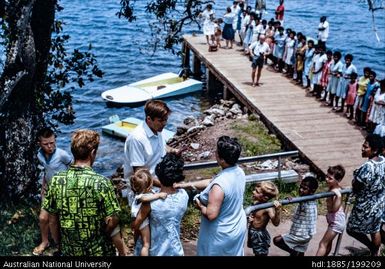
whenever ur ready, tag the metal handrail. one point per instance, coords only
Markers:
(306, 198)
(278, 156)
(300, 199)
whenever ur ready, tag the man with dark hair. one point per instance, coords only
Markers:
(146, 145)
(83, 201)
(323, 32)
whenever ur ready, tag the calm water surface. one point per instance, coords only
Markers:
(119, 47)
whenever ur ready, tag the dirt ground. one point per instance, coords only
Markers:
(206, 139)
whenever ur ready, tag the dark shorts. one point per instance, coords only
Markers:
(257, 62)
(259, 241)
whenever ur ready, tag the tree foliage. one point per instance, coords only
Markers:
(170, 17)
(37, 68)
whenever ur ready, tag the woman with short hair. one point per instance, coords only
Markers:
(223, 226)
(365, 219)
(165, 215)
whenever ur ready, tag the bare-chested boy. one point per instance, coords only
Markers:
(336, 215)
(258, 237)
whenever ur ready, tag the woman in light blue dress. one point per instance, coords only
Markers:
(223, 223)
(307, 63)
(165, 215)
(342, 87)
(279, 48)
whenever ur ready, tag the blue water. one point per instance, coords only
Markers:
(122, 53)
(118, 46)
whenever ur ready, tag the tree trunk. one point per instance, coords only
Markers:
(20, 93)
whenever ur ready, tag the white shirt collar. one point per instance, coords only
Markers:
(148, 130)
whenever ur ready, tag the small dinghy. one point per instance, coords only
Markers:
(121, 128)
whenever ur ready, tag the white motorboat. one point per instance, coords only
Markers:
(157, 87)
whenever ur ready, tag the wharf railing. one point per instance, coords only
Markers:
(347, 192)
(306, 198)
(259, 158)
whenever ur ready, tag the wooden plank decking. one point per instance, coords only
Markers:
(322, 137)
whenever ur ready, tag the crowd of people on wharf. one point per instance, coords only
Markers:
(305, 60)
(81, 207)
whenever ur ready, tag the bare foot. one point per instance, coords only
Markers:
(39, 250)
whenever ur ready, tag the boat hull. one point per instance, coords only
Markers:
(162, 86)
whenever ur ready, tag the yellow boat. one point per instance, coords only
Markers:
(121, 128)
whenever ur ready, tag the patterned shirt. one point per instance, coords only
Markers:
(82, 199)
(369, 208)
(305, 220)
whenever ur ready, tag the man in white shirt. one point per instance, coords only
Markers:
(323, 31)
(258, 50)
(146, 145)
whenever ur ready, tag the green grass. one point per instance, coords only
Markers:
(20, 236)
(191, 175)
(190, 223)
(255, 139)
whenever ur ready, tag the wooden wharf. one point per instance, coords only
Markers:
(322, 137)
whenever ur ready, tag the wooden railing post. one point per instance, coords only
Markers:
(225, 92)
(196, 67)
(210, 82)
(186, 56)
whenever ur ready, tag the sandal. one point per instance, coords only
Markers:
(39, 250)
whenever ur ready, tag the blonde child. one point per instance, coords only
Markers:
(304, 222)
(141, 184)
(335, 216)
(258, 237)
